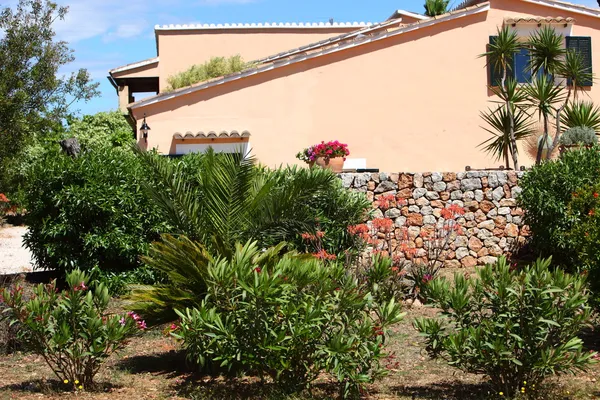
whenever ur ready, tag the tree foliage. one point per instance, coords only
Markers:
(34, 96)
(436, 7)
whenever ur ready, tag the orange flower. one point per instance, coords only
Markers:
(324, 255)
(3, 198)
(383, 224)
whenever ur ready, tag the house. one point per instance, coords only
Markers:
(405, 93)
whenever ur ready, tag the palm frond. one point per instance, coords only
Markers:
(546, 51)
(499, 145)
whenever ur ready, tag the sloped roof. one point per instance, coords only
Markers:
(134, 65)
(538, 20)
(354, 39)
(211, 135)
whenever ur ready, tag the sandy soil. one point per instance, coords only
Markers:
(14, 257)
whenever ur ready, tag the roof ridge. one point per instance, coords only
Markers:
(263, 25)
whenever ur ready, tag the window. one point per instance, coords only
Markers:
(583, 45)
(520, 62)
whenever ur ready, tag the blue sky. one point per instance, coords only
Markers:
(109, 33)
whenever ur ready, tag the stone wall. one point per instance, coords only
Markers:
(491, 226)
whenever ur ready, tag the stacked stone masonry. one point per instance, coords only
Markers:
(491, 226)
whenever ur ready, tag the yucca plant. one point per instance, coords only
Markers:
(436, 7)
(582, 113)
(500, 145)
(546, 50)
(543, 94)
(500, 57)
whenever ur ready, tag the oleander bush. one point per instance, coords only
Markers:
(72, 329)
(515, 326)
(584, 236)
(546, 196)
(287, 317)
(89, 211)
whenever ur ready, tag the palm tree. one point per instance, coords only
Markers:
(216, 201)
(499, 121)
(500, 56)
(436, 7)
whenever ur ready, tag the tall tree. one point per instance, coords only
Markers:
(34, 96)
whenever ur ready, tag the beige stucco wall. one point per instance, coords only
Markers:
(409, 102)
(180, 49)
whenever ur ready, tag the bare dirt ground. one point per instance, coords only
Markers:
(14, 257)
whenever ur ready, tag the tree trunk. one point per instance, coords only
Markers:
(542, 144)
(511, 123)
(557, 136)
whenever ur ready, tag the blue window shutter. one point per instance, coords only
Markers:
(582, 44)
(495, 74)
(520, 66)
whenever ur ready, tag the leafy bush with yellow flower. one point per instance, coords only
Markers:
(71, 329)
(517, 327)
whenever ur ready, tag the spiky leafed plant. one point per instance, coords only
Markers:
(436, 7)
(546, 50)
(499, 122)
(500, 55)
(582, 113)
(573, 69)
(543, 94)
(218, 200)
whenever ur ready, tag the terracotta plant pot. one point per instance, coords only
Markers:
(334, 164)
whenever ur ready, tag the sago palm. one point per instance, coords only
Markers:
(499, 125)
(436, 7)
(222, 199)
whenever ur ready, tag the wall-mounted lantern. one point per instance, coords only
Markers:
(144, 129)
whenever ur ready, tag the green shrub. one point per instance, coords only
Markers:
(89, 211)
(515, 327)
(71, 330)
(582, 135)
(219, 200)
(547, 191)
(213, 68)
(585, 234)
(287, 317)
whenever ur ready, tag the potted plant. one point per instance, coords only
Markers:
(576, 137)
(329, 155)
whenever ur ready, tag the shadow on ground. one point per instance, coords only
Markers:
(250, 388)
(445, 390)
(54, 386)
(171, 364)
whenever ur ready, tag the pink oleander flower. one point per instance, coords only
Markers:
(142, 324)
(122, 321)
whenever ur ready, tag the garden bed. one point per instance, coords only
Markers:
(151, 367)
